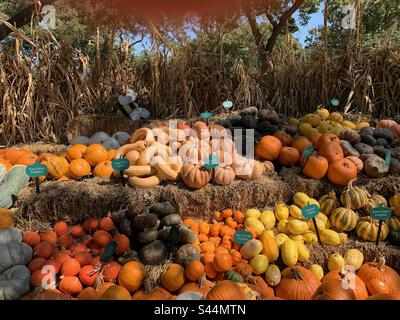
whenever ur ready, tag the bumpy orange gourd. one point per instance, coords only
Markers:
(95, 154)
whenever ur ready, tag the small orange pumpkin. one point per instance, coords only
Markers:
(268, 148)
(288, 156)
(79, 168)
(27, 159)
(194, 270)
(76, 152)
(103, 169)
(95, 154)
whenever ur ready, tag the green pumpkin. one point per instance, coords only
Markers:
(233, 276)
(344, 219)
(394, 223)
(328, 203)
(375, 201)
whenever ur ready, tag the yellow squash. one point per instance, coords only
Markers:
(270, 247)
(290, 254)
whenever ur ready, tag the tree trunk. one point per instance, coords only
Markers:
(20, 19)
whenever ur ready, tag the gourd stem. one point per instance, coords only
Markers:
(297, 274)
(381, 263)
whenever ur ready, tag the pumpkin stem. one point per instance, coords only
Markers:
(251, 279)
(332, 195)
(381, 263)
(297, 274)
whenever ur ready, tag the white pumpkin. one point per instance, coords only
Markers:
(111, 144)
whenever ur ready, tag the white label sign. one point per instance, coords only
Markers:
(49, 17)
(349, 21)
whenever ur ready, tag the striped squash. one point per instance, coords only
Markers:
(233, 276)
(395, 204)
(367, 229)
(354, 197)
(328, 203)
(374, 201)
(394, 223)
(344, 219)
(57, 166)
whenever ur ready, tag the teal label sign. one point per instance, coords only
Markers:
(310, 211)
(36, 170)
(206, 115)
(120, 164)
(109, 251)
(307, 152)
(335, 102)
(388, 158)
(242, 236)
(227, 104)
(212, 162)
(381, 213)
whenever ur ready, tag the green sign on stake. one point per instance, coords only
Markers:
(380, 213)
(35, 171)
(121, 165)
(310, 211)
(242, 236)
(212, 162)
(388, 158)
(109, 251)
(307, 152)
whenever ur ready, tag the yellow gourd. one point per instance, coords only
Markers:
(317, 270)
(343, 237)
(267, 218)
(349, 124)
(255, 224)
(251, 248)
(280, 238)
(335, 262)
(282, 226)
(295, 211)
(314, 201)
(354, 258)
(361, 125)
(296, 226)
(303, 253)
(259, 264)
(290, 254)
(270, 247)
(270, 232)
(320, 224)
(297, 237)
(253, 213)
(294, 121)
(301, 199)
(281, 212)
(310, 237)
(330, 237)
(323, 113)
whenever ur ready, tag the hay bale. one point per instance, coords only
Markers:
(40, 148)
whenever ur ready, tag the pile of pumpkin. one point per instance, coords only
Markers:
(113, 142)
(164, 153)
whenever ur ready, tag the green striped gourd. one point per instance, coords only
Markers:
(374, 201)
(233, 276)
(14, 181)
(344, 219)
(394, 223)
(367, 229)
(328, 203)
(354, 197)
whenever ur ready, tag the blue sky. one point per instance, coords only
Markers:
(316, 19)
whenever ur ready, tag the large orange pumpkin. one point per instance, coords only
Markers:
(103, 169)
(359, 290)
(268, 148)
(194, 270)
(79, 168)
(222, 262)
(116, 293)
(6, 163)
(95, 154)
(76, 151)
(332, 151)
(315, 167)
(226, 290)
(342, 171)
(203, 287)
(132, 275)
(326, 138)
(288, 156)
(27, 159)
(173, 277)
(300, 143)
(56, 166)
(13, 154)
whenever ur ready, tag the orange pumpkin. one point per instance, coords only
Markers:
(13, 154)
(203, 287)
(173, 277)
(95, 154)
(239, 217)
(70, 285)
(103, 170)
(226, 290)
(314, 139)
(79, 168)
(214, 229)
(76, 152)
(111, 154)
(300, 143)
(222, 262)
(207, 247)
(217, 215)
(342, 171)
(208, 257)
(288, 156)
(227, 213)
(132, 275)
(116, 293)
(194, 270)
(268, 148)
(6, 163)
(284, 138)
(27, 159)
(332, 151)
(315, 167)
(203, 237)
(327, 138)
(204, 228)
(210, 271)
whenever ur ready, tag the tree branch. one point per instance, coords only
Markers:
(20, 19)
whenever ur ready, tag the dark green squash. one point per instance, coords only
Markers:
(367, 130)
(368, 139)
(185, 254)
(154, 253)
(363, 148)
(125, 227)
(233, 276)
(171, 220)
(382, 141)
(384, 133)
(147, 236)
(163, 208)
(249, 111)
(394, 237)
(145, 221)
